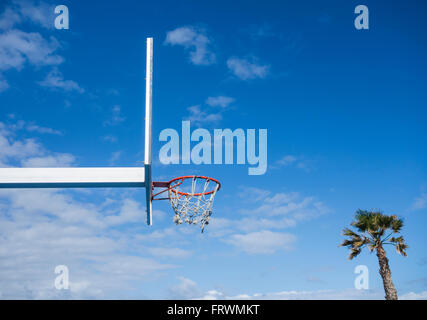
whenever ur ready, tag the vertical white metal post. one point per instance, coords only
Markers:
(148, 120)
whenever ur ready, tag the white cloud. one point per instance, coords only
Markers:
(414, 296)
(43, 130)
(18, 149)
(213, 295)
(265, 210)
(262, 31)
(282, 198)
(287, 160)
(116, 117)
(115, 156)
(41, 14)
(55, 80)
(221, 227)
(51, 202)
(262, 242)
(219, 101)
(60, 160)
(195, 41)
(186, 289)
(291, 205)
(253, 194)
(169, 252)
(251, 224)
(157, 235)
(292, 161)
(30, 127)
(129, 212)
(44, 228)
(9, 18)
(18, 47)
(247, 70)
(420, 202)
(28, 152)
(206, 115)
(4, 85)
(198, 116)
(110, 138)
(347, 294)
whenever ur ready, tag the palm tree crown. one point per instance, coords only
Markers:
(374, 230)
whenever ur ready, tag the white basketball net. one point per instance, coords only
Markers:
(194, 206)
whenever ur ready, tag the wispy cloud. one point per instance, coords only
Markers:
(115, 156)
(291, 204)
(116, 116)
(209, 113)
(245, 69)
(55, 80)
(346, 294)
(293, 161)
(58, 160)
(420, 202)
(43, 130)
(414, 296)
(29, 152)
(10, 148)
(219, 101)
(193, 40)
(109, 138)
(253, 194)
(18, 48)
(9, 18)
(262, 242)
(4, 85)
(261, 31)
(286, 160)
(199, 116)
(28, 126)
(41, 14)
(267, 211)
(185, 289)
(130, 211)
(169, 252)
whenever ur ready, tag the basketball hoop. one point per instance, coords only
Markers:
(191, 198)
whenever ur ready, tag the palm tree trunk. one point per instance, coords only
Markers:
(390, 290)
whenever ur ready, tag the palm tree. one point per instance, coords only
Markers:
(372, 227)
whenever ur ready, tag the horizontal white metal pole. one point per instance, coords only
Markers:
(72, 177)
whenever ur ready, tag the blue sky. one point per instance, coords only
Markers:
(345, 111)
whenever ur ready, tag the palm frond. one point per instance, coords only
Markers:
(354, 253)
(350, 233)
(347, 243)
(397, 225)
(401, 249)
